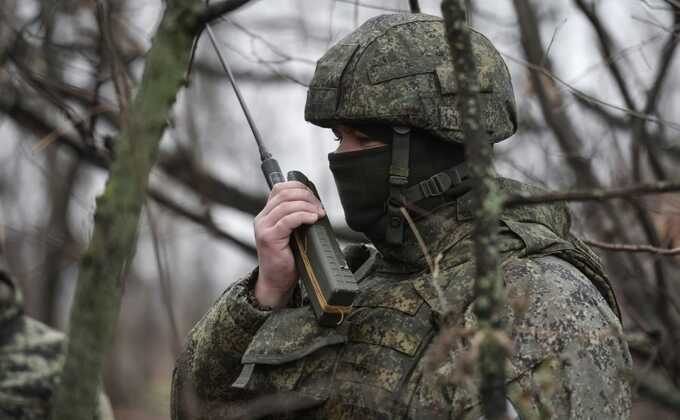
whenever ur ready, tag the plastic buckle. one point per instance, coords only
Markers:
(398, 180)
(435, 185)
(395, 221)
(401, 129)
(459, 178)
(393, 204)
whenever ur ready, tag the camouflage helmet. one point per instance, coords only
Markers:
(396, 70)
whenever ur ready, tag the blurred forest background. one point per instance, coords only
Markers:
(597, 85)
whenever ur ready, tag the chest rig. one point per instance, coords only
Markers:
(366, 365)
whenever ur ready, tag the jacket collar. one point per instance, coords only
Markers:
(447, 225)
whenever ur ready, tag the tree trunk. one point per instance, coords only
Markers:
(97, 299)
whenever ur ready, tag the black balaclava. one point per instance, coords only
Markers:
(362, 176)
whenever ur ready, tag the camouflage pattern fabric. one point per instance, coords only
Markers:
(406, 352)
(31, 359)
(396, 70)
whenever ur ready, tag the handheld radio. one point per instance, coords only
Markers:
(326, 277)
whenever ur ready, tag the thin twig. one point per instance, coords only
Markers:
(118, 75)
(595, 194)
(164, 281)
(273, 47)
(206, 222)
(373, 6)
(433, 264)
(419, 238)
(633, 248)
(356, 13)
(667, 398)
(549, 96)
(552, 40)
(192, 59)
(79, 123)
(606, 46)
(217, 10)
(665, 61)
(269, 65)
(640, 133)
(586, 97)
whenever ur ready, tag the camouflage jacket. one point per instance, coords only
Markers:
(31, 358)
(394, 357)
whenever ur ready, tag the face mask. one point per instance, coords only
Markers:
(361, 178)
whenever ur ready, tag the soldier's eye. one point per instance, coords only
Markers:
(337, 134)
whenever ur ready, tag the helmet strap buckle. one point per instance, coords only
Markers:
(436, 185)
(452, 181)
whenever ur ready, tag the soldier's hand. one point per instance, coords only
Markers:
(290, 204)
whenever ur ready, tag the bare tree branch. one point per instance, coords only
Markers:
(607, 116)
(217, 10)
(606, 45)
(373, 6)
(668, 398)
(633, 248)
(96, 304)
(587, 97)
(667, 55)
(488, 285)
(564, 131)
(549, 97)
(660, 187)
(181, 168)
(42, 129)
(201, 220)
(165, 283)
(274, 48)
(640, 132)
(118, 75)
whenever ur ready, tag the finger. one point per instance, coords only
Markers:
(269, 230)
(290, 194)
(285, 226)
(289, 207)
(282, 186)
(275, 195)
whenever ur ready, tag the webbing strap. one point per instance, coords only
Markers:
(444, 182)
(401, 145)
(399, 171)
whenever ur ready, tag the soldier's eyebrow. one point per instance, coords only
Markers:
(362, 136)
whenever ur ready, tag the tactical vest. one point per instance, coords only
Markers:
(371, 365)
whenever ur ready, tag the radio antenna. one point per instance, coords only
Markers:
(264, 153)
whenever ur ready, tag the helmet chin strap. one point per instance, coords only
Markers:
(451, 181)
(399, 171)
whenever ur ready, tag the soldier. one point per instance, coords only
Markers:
(31, 359)
(387, 91)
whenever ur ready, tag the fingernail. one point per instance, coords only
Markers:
(322, 212)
